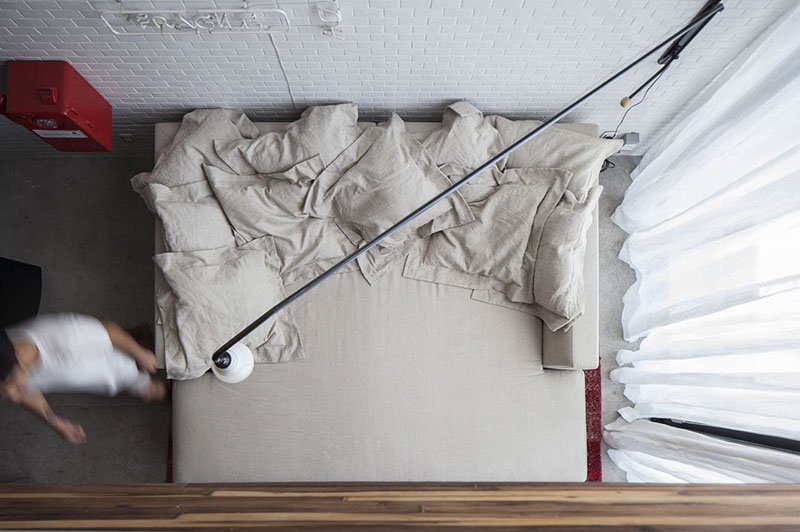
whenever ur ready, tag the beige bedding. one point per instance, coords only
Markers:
(559, 146)
(214, 293)
(289, 186)
(499, 249)
(272, 204)
(373, 184)
(403, 381)
(396, 401)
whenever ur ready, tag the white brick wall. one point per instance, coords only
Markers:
(520, 58)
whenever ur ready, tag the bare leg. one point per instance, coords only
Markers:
(123, 341)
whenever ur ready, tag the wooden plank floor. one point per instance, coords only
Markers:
(392, 506)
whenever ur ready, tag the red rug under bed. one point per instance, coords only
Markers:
(594, 425)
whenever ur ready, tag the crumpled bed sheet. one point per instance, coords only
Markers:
(244, 214)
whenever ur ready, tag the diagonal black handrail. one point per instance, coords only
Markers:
(220, 358)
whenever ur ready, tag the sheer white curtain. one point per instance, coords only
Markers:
(713, 215)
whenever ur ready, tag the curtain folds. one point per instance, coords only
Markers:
(713, 216)
(652, 452)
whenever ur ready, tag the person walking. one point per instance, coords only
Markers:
(73, 353)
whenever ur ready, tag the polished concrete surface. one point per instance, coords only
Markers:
(615, 278)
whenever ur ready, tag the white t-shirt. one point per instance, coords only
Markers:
(76, 355)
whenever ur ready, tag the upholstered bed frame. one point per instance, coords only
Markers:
(448, 389)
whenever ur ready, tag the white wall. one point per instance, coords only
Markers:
(521, 58)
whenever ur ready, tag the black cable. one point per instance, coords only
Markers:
(628, 110)
(607, 165)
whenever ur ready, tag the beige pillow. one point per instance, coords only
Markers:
(165, 307)
(557, 147)
(498, 249)
(271, 204)
(193, 145)
(376, 182)
(190, 215)
(464, 141)
(219, 292)
(323, 130)
(558, 278)
(264, 204)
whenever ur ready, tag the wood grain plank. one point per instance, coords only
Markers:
(388, 506)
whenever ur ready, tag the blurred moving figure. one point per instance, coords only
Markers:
(73, 353)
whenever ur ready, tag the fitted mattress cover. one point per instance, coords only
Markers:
(403, 381)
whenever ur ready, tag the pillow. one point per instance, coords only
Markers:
(558, 279)
(454, 173)
(498, 249)
(193, 145)
(325, 131)
(272, 204)
(165, 308)
(190, 215)
(263, 204)
(379, 180)
(374, 184)
(558, 147)
(219, 292)
(466, 140)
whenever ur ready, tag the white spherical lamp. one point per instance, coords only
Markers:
(233, 365)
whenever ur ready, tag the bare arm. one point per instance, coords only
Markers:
(123, 341)
(35, 402)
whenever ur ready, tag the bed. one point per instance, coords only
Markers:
(404, 380)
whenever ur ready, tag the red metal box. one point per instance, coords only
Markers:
(51, 99)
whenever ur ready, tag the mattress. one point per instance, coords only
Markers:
(403, 381)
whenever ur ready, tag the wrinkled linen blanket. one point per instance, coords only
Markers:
(245, 213)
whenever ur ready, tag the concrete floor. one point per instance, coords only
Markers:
(78, 218)
(615, 278)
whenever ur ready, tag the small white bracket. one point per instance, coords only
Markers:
(631, 140)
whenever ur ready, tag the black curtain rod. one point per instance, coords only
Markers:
(222, 359)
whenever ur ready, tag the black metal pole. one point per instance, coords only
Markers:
(674, 51)
(219, 355)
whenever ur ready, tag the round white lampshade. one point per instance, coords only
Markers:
(241, 366)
